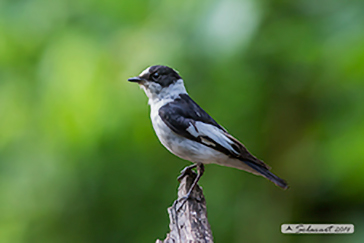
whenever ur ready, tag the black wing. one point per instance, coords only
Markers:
(188, 119)
(184, 117)
(179, 114)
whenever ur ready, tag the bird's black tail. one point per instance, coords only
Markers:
(267, 174)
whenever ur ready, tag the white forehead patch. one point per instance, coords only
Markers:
(144, 72)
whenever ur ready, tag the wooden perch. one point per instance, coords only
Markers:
(188, 223)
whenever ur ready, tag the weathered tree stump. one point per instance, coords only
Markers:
(188, 223)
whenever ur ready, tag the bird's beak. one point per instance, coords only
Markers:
(136, 79)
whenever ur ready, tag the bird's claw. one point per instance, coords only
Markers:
(181, 201)
(185, 171)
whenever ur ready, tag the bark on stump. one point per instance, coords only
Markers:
(189, 223)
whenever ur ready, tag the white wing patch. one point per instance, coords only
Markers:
(192, 130)
(207, 142)
(212, 132)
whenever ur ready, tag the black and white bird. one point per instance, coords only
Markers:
(187, 131)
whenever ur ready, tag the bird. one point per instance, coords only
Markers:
(189, 132)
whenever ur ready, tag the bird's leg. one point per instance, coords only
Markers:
(200, 171)
(185, 170)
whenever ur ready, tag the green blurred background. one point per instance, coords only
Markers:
(79, 161)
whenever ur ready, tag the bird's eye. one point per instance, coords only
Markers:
(155, 76)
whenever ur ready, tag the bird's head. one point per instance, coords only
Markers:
(159, 82)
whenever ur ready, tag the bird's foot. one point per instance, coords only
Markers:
(187, 170)
(178, 204)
